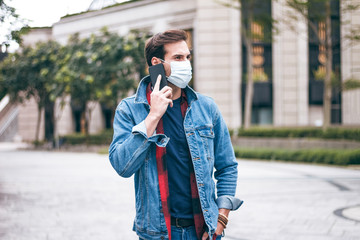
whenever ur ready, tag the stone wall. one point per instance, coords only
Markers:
(217, 57)
(28, 118)
(290, 70)
(350, 66)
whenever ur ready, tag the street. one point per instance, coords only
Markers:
(65, 196)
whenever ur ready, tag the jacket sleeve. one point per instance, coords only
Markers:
(130, 144)
(225, 165)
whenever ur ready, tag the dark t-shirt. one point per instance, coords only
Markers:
(178, 162)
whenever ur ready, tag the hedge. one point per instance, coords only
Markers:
(326, 156)
(103, 138)
(310, 132)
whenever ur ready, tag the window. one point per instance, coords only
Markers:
(317, 56)
(261, 31)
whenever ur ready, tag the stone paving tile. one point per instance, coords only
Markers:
(294, 201)
(78, 196)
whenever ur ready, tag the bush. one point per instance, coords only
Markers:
(103, 138)
(306, 132)
(333, 156)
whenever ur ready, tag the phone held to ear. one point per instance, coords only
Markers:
(154, 71)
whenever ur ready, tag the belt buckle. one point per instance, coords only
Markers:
(177, 223)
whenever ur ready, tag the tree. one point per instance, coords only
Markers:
(121, 77)
(76, 73)
(256, 28)
(14, 24)
(31, 74)
(320, 23)
(101, 68)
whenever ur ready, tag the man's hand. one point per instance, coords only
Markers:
(220, 228)
(160, 100)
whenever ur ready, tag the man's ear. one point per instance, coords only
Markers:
(155, 61)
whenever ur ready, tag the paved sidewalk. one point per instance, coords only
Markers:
(296, 201)
(65, 196)
(12, 146)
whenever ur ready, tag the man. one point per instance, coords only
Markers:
(172, 139)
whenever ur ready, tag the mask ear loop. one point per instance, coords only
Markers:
(162, 60)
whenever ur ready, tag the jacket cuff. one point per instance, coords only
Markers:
(160, 140)
(228, 202)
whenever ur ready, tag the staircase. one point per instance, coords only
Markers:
(8, 119)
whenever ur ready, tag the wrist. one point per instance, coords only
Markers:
(223, 219)
(224, 211)
(151, 123)
(154, 117)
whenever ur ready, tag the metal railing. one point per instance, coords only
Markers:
(8, 119)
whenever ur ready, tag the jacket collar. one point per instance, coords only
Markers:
(140, 95)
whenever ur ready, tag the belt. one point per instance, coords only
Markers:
(182, 222)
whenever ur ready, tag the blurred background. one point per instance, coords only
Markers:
(266, 63)
(284, 73)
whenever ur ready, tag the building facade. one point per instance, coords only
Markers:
(286, 96)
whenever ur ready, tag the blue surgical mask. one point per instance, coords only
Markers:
(181, 73)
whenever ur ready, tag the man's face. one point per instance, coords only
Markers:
(178, 51)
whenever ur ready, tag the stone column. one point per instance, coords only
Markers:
(28, 118)
(217, 55)
(350, 65)
(290, 69)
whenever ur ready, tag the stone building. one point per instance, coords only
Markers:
(289, 95)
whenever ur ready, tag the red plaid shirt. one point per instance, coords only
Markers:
(163, 177)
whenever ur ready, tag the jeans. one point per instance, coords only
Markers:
(186, 233)
(179, 233)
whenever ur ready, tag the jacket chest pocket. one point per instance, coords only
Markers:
(207, 136)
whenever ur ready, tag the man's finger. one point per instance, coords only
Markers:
(165, 89)
(205, 236)
(168, 93)
(157, 84)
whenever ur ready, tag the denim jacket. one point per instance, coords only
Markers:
(132, 152)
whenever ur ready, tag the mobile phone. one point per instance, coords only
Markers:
(154, 71)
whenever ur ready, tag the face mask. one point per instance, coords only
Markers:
(181, 73)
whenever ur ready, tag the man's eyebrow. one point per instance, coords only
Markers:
(180, 55)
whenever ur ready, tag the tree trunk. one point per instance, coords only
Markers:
(37, 132)
(88, 119)
(83, 122)
(249, 88)
(328, 68)
(56, 134)
(57, 115)
(49, 120)
(249, 84)
(87, 115)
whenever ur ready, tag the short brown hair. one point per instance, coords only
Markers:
(155, 45)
